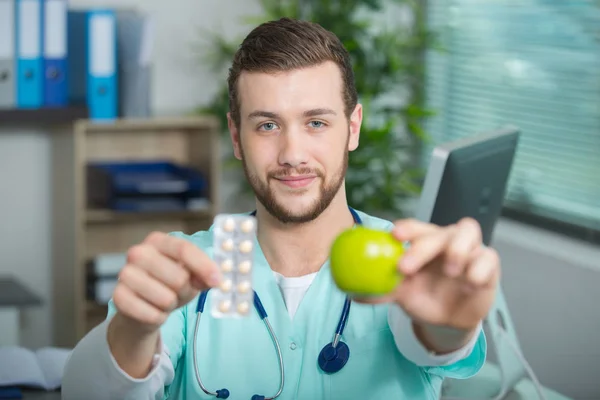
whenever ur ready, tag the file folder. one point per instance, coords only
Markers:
(55, 53)
(77, 57)
(29, 54)
(7, 54)
(135, 42)
(102, 91)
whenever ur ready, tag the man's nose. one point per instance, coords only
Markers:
(292, 148)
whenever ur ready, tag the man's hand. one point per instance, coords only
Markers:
(450, 281)
(162, 274)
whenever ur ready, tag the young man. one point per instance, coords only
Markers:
(293, 119)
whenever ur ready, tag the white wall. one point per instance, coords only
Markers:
(180, 82)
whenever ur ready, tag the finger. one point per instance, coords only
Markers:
(163, 269)
(466, 240)
(190, 256)
(410, 229)
(135, 308)
(158, 265)
(148, 288)
(424, 250)
(484, 270)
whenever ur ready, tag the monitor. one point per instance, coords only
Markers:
(468, 178)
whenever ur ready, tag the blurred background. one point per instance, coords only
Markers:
(112, 124)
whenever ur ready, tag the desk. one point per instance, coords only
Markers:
(13, 297)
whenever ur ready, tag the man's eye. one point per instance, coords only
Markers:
(269, 126)
(316, 124)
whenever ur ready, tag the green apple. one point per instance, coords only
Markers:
(364, 261)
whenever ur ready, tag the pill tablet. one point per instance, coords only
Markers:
(247, 226)
(243, 287)
(227, 244)
(226, 285)
(243, 308)
(246, 246)
(227, 265)
(244, 267)
(234, 236)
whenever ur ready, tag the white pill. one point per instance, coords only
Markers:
(227, 265)
(243, 287)
(229, 225)
(224, 306)
(226, 285)
(227, 245)
(247, 226)
(243, 307)
(246, 246)
(244, 267)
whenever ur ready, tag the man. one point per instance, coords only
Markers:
(293, 119)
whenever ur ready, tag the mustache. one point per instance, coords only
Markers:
(281, 173)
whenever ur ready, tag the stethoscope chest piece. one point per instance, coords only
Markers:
(332, 359)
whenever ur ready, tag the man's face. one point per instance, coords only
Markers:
(294, 139)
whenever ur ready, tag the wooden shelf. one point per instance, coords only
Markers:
(110, 216)
(133, 125)
(42, 116)
(81, 233)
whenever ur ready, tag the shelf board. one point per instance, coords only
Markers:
(42, 116)
(107, 216)
(132, 125)
(94, 308)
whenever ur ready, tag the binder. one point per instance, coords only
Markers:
(102, 92)
(55, 53)
(29, 54)
(135, 42)
(77, 57)
(7, 54)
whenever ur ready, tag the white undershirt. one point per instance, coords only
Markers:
(293, 289)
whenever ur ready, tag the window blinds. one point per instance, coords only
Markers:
(534, 64)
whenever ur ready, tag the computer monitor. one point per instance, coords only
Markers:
(468, 178)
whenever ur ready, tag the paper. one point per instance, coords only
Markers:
(42, 369)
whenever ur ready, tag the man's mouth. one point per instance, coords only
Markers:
(297, 181)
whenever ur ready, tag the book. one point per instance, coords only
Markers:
(39, 369)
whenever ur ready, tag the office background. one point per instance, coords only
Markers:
(550, 278)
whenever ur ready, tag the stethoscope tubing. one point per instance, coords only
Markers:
(224, 393)
(263, 315)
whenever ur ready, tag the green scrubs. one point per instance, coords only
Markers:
(238, 354)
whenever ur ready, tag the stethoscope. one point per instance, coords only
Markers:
(332, 357)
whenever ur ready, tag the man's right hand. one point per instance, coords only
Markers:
(162, 274)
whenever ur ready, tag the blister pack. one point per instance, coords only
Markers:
(233, 251)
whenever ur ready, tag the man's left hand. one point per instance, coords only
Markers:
(450, 276)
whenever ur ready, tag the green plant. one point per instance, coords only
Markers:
(383, 172)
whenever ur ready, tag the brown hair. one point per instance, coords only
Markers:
(287, 44)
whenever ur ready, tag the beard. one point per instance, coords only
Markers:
(328, 189)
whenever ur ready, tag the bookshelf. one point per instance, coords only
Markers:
(80, 233)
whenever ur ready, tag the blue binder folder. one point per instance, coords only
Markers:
(102, 96)
(77, 57)
(92, 62)
(29, 30)
(55, 53)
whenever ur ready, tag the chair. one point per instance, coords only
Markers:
(511, 378)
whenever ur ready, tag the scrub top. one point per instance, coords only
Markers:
(238, 354)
